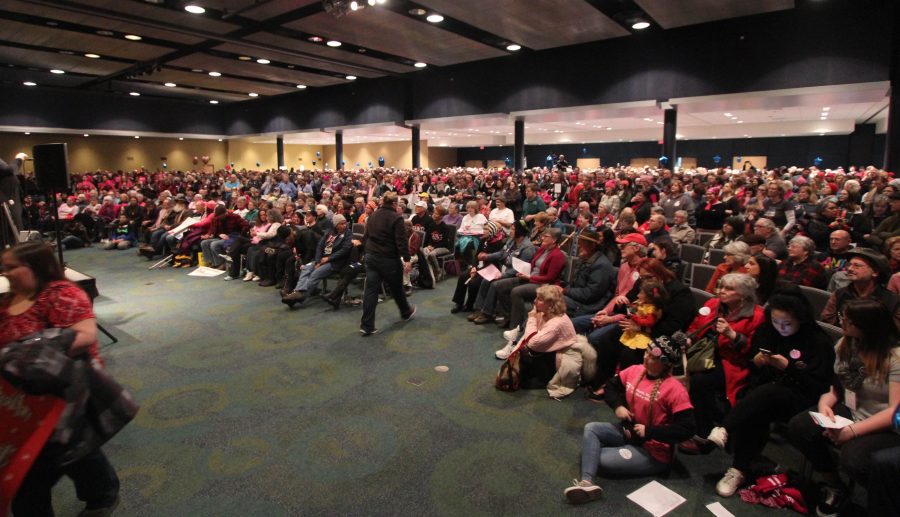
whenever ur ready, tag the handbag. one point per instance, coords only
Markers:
(701, 355)
(509, 378)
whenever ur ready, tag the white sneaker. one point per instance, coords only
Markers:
(511, 334)
(583, 492)
(718, 436)
(248, 277)
(256, 278)
(504, 352)
(730, 482)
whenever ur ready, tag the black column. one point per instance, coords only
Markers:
(279, 150)
(338, 149)
(670, 126)
(861, 145)
(416, 147)
(892, 140)
(519, 146)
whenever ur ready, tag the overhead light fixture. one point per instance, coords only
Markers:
(92, 56)
(57, 71)
(136, 137)
(823, 118)
(315, 39)
(333, 43)
(728, 114)
(28, 132)
(740, 121)
(354, 5)
(253, 94)
(641, 25)
(29, 83)
(134, 94)
(245, 58)
(351, 77)
(513, 47)
(826, 108)
(181, 138)
(435, 18)
(215, 74)
(263, 61)
(86, 135)
(194, 9)
(417, 12)
(301, 86)
(213, 101)
(649, 119)
(220, 140)
(420, 65)
(133, 37)
(171, 85)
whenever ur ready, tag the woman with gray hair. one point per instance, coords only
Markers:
(801, 267)
(737, 254)
(730, 320)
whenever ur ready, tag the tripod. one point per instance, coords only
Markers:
(9, 233)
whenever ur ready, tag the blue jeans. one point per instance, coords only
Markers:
(603, 447)
(584, 326)
(390, 271)
(212, 248)
(311, 276)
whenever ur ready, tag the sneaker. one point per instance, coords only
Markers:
(730, 482)
(410, 315)
(511, 334)
(248, 277)
(718, 436)
(831, 502)
(365, 332)
(504, 352)
(255, 278)
(228, 277)
(583, 492)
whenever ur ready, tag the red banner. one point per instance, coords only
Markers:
(26, 422)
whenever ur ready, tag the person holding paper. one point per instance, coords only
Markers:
(655, 413)
(794, 360)
(868, 389)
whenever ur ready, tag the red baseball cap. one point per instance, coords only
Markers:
(632, 237)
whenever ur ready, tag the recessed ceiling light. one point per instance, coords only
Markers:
(333, 43)
(351, 78)
(826, 108)
(253, 94)
(215, 74)
(27, 132)
(29, 83)
(728, 115)
(171, 85)
(92, 56)
(263, 61)
(649, 119)
(105, 33)
(740, 121)
(823, 118)
(354, 5)
(136, 137)
(220, 140)
(513, 47)
(315, 39)
(640, 25)
(420, 65)
(196, 70)
(133, 37)
(57, 71)
(417, 12)
(86, 135)
(435, 18)
(134, 94)
(213, 101)
(245, 58)
(194, 9)
(301, 86)
(181, 138)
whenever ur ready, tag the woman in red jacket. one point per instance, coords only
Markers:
(731, 319)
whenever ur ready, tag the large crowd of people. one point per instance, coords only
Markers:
(551, 254)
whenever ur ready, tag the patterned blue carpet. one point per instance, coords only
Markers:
(251, 409)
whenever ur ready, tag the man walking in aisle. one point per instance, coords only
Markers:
(386, 244)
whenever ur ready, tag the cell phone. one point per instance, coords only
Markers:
(764, 351)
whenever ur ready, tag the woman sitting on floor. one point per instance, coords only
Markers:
(655, 413)
(867, 391)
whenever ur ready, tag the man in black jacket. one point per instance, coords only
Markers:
(332, 254)
(386, 243)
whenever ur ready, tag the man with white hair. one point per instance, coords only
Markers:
(775, 248)
(681, 232)
(801, 268)
(332, 254)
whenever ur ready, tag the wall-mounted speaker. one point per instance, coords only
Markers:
(51, 167)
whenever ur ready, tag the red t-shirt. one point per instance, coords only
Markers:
(61, 304)
(671, 399)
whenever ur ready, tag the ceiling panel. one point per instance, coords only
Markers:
(400, 35)
(669, 14)
(203, 80)
(253, 70)
(158, 89)
(320, 49)
(180, 18)
(293, 59)
(92, 20)
(55, 38)
(53, 60)
(537, 24)
(266, 10)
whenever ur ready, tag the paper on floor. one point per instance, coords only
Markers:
(718, 510)
(656, 498)
(206, 271)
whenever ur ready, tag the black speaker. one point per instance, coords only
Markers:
(51, 167)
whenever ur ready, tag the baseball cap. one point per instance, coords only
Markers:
(632, 238)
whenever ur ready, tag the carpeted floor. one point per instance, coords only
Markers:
(251, 409)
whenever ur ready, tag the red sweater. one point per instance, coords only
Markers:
(552, 267)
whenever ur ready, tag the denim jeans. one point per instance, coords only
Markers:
(311, 276)
(603, 447)
(211, 250)
(390, 271)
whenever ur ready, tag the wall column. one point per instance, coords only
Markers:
(338, 150)
(279, 150)
(670, 126)
(416, 147)
(519, 145)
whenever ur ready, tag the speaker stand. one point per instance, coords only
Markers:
(59, 248)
